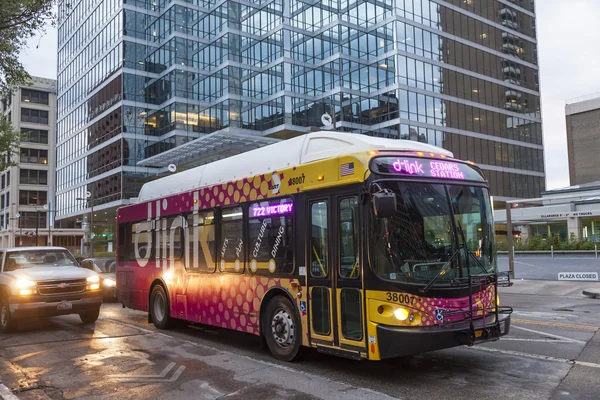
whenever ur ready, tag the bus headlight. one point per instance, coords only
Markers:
(401, 313)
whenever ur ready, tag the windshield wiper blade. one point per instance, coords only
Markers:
(442, 272)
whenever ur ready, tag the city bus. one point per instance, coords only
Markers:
(361, 247)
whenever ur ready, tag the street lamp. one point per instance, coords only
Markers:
(87, 197)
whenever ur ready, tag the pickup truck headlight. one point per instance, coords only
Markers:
(25, 287)
(93, 283)
(109, 282)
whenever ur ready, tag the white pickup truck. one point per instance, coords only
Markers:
(44, 282)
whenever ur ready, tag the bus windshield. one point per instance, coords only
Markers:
(433, 221)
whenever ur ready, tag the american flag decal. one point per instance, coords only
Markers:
(347, 169)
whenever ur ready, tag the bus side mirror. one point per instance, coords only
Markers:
(384, 204)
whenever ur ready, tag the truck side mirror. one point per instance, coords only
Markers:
(384, 204)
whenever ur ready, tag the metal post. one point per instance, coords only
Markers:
(49, 239)
(552, 250)
(37, 225)
(596, 250)
(92, 227)
(509, 242)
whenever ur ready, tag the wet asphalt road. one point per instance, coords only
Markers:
(553, 352)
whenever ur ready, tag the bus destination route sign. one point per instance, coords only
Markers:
(431, 168)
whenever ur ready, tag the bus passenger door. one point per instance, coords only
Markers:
(334, 276)
(349, 276)
(322, 332)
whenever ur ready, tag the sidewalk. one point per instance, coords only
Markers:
(553, 288)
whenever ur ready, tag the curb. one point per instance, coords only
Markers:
(593, 295)
(6, 393)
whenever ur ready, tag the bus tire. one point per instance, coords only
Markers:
(160, 308)
(282, 329)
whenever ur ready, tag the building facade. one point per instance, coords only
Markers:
(147, 83)
(571, 213)
(27, 190)
(583, 139)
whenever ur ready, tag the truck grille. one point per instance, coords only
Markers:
(61, 287)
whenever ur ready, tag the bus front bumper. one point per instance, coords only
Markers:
(398, 342)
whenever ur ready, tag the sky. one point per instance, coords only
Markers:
(569, 60)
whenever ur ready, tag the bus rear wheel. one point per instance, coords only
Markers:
(160, 308)
(282, 329)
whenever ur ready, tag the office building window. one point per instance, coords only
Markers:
(34, 156)
(33, 177)
(34, 96)
(34, 116)
(35, 136)
(33, 197)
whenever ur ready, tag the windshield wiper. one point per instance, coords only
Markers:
(443, 270)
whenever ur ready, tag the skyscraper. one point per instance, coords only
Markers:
(147, 83)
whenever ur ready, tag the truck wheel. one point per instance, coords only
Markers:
(282, 329)
(7, 323)
(89, 317)
(160, 308)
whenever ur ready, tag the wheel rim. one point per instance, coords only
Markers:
(159, 307)
(282, 328)
(4, 316)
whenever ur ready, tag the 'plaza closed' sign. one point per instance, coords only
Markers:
(577, 276)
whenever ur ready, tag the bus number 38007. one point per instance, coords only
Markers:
(400, 298)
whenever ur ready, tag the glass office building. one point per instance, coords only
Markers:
(145, 83)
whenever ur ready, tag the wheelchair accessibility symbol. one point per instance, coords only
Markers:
(303, 306)
(439, 314)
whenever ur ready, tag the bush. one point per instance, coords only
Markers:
(539, 243)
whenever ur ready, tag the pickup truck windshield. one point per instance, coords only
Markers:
(38, 258)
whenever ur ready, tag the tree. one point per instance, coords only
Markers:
(19, 21)
(9, 142)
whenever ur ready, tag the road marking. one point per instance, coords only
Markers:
(504, 339)
(162, 377)
(562, 338)
(529, 265)
(345, 387)
(556, 324)
(537, 356)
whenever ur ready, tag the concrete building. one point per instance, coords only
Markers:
(27, 203)
(574, 210)
(583, 139)
(143, 84)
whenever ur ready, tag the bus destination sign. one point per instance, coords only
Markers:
(271, 210)
(431, 168)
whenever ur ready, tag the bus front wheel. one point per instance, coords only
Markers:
(282, 329)
(159, 308)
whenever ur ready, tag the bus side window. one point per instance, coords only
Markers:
(349, 228)
(270, 237)
(141, 241)
(318, 251)
(202, 242)
(125, 243)
(231, 249)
